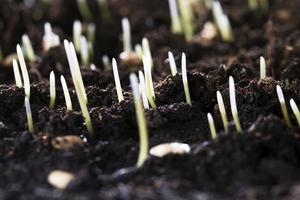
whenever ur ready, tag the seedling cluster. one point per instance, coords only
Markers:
(142, 87)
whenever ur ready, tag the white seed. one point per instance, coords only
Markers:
(60, 179)
(162, 150)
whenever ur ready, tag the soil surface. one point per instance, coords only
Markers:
(261, 162)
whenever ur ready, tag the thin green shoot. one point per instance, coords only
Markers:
(126, 36)
(172, 63)
(106, 63)
(24, 71)
(185, 80)
(17, 74)
(263, 67)
(117, 80)
(222, 111)
(141, 120)
(84, 10)
(77, 30)
(175, 19)
(222, 22)
(52, 90)
(283, 106)
(295, 110)
(142, 89)
(28, 48)
(139, 51)
(78, 83)
(147, 51)
(50, 39)
(91, 33)
(84, 51)
(66, 93)
(212, 126)
(77, 72)
(233, 105)
(187, 19)
(29, 115)
(104, 8)
(148, 80)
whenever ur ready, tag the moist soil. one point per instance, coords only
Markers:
(262, 162)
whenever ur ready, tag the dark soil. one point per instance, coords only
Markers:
(262, 162)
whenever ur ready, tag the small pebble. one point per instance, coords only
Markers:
(67, 142)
